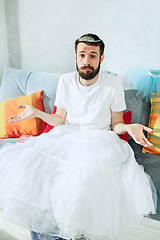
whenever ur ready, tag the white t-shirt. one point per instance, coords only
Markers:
(90, 106)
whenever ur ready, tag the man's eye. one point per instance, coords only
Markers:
(82, 55)
(93, 56)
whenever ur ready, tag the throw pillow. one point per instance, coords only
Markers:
(154, 123)
(9, 108)
(49, 127)
(127, 116)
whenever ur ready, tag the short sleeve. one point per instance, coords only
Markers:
(118, 103)
(60, 94)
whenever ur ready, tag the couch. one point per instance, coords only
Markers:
(17, 82)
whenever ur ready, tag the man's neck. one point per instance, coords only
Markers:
(88, 82)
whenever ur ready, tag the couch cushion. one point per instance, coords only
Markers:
(46, 82)
(7, 141)
(138, 106)
(14, 82)
(17, 82)
(150, 162)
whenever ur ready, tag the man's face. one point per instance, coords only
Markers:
(88, 60)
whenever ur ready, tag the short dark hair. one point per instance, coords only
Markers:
(91, 39)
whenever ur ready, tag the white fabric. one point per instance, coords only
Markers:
(73, 182)
(90, 105)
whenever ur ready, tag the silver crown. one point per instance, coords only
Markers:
(88, 39)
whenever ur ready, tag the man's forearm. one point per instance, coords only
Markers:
(52, 119)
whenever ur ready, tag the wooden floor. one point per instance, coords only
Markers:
(148, 230)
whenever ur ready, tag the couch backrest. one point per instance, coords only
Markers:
(139, 107)
(16, 82)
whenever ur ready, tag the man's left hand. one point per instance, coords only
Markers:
(136, 132)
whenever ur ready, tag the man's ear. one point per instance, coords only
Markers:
(102, 58)
(76, 56)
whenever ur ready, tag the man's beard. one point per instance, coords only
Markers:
(89, 73)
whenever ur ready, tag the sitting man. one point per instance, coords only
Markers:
(84, 180)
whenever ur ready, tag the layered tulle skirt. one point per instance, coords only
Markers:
(74, 182)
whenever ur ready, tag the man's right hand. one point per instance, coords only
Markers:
(28, 113)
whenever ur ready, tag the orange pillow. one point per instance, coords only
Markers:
(9, 108)
(154, 123)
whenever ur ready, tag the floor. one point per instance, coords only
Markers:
(148, 230)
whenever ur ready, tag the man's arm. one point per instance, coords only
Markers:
(135, 130)
(30, 112)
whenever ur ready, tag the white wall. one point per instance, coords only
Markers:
(3, 39)
(48, 29)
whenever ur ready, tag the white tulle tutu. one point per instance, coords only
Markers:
(72, 182)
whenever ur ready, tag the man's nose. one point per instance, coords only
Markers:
(86, 61)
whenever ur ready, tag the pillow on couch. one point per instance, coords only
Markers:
(127, 117)
(154, 123)
(9, 108)
(49, 127)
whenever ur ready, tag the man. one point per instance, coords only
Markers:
(89, 54)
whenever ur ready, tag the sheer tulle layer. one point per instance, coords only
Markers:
(72, 182)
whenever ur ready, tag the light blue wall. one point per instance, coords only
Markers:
(48, 28)
(3, 39)
(12, 20)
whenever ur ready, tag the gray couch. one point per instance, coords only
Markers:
(17, 82)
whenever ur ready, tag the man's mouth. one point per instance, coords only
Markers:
(87, 68)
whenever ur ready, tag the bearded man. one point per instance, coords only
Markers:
(86, 180)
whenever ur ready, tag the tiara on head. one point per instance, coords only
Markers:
(88, 39)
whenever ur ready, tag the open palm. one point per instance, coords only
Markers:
(137, 133)
(29, 112)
